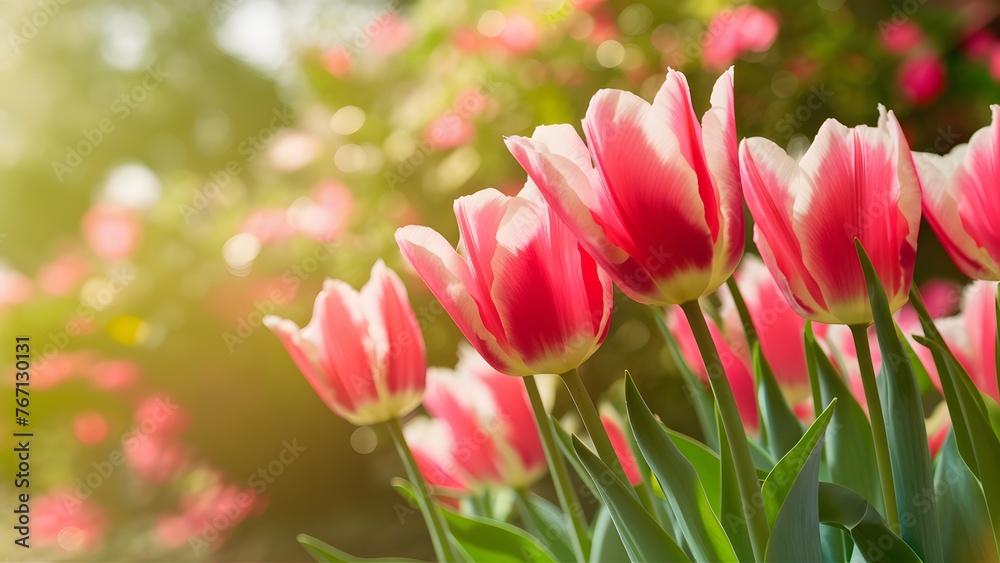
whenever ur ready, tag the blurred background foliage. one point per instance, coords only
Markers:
(172, 170)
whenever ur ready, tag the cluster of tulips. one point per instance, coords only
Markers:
(807, 456)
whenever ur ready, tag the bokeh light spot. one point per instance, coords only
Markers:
(610, 54)
(364, 440)
(347, 120)
(492, 23)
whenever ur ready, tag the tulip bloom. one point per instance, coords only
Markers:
(779, 328)
(492, 426)
(852, 183)
(362, 352)
(615, 428)
(734, 32)
(972, 334)
(433, 449)
(661, 208)
(525, 294)
(961, 200)
(736, 365)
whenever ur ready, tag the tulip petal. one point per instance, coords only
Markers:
(941, 209)
(653, 190)
(399, 345)
(722, 155)
(976, 181)
(448, 277)
(341, 331)
(771, 179)
(307, 361)
(854, 193)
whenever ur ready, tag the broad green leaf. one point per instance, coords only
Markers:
(484, 539)
(673, 471)
(550, 527)
(849, 447)
(874, 541)
(731, 512)
(924, 382)
(795, 533)
(642, 536)
(700, 398)
(777, 419)
(964, 517)
(762, 459)
(705, 462)
(606, 546)
(904, 422)
(326, 553)
(969, 416)
(780, 480)
(812, 367)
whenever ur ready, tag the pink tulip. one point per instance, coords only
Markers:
(615, 428)
(921, 79)
(660, 210)
(525, 293)
(734, 32)
(362, 352)
(779, 328)
(971, 335)
(492, 427)
(62, 521)
(852, 183)
(738, 369)
(961, 200)
(433, 448)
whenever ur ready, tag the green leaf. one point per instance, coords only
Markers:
(873, 539)
(326, 553)
(731, 512)
(705, 462)
(565, 442)
(551, 527)
(606, 545)
(643, 537)
(972, 428)
(484, 539)
(849, 447)
(795, 532)
(781, 479)
(964, 517)
(778, 421)
(673, 471)
(904, 421)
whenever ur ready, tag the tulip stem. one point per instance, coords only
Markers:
(592, 421)
(568, 500)
(732, 425)
(432, 514)
(864, 353)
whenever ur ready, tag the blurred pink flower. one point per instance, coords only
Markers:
(392, 34)
(208, 516)
(971, 335)
(492, 426)
(433, 447)
(921, 79)
(111, 232)
(901, 37)
(160, 416)
(63, 274)
(268, 224)
(449, 130)
(520, 35)
(614, 426)
(60, 520)
(114, 374)
(981, 43)
(337, 61)
(738, 371)
(994, 63)
(90, 427)
(734, 32)
(325, 214)
(15, 287)
(153, 459)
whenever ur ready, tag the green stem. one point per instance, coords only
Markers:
(741, 307)
(432, 515)
(996, 347)
(560, 475)
(864, 353)
(592, 421)
(732, 425)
